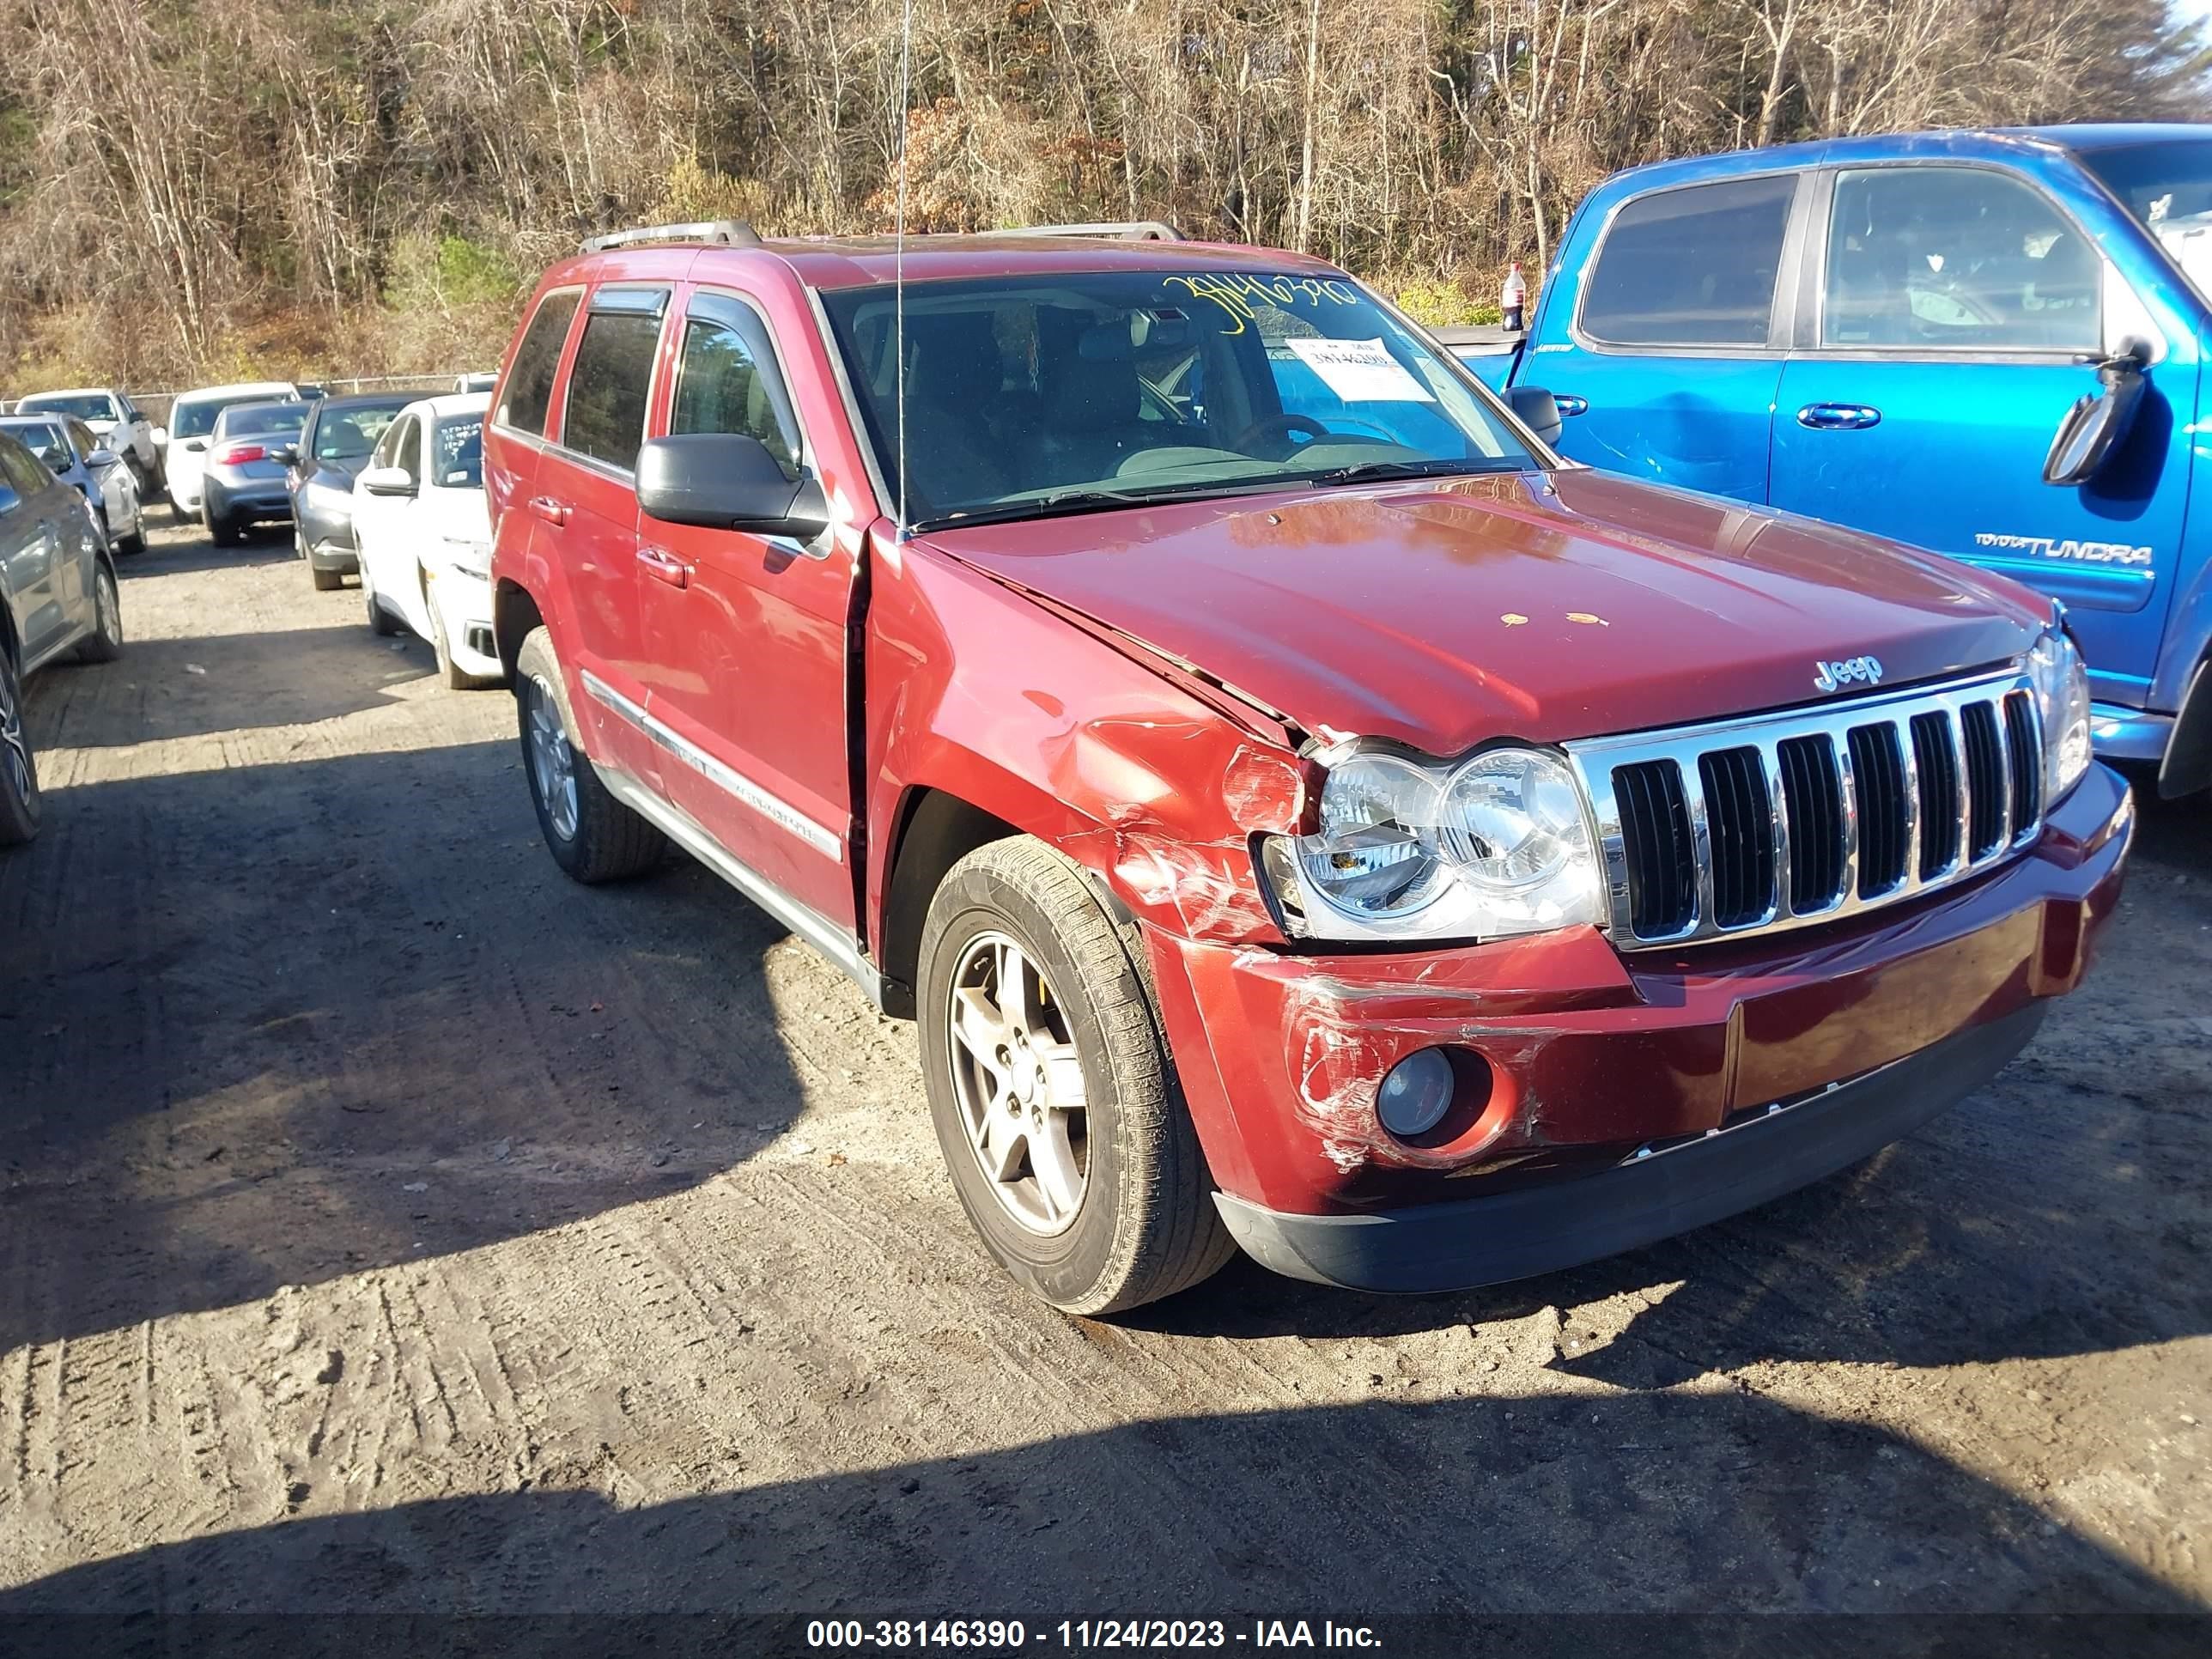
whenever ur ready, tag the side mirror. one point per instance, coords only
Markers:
(159, 434)
(100, 459)
(1537, 410)
(285, 454)
(2097, 425)
(727, 481)
(388, 481)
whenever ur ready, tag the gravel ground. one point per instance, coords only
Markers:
(386, 1223)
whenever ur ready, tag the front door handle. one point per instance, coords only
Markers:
(664, 567)
(1567, 403)
(1839, 417)
(547, 509)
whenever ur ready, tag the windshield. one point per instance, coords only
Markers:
(2168, 188)
(265, 421)
(457, 453)
(1063, 393)
(349, 432)
(85, 405)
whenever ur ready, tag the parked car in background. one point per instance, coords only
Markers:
(243, 481)
(1301, 815)
(334, 445)
(71, 451)
(58, 594)
(425, 538)
(483, 380)
(119, 424)
(1987, 343)
(191, 424)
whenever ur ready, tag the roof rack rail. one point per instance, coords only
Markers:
(722, 232)
(1128, 230)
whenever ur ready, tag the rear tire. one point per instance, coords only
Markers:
(591, 835)
(1145, 1225)
(219, 529)
(105, 642)
(19, 808)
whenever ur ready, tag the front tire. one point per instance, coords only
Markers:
(451, 674)
(381, 622)
(1055, 1104)
(105, 642)
(20, 807)
(591, 835)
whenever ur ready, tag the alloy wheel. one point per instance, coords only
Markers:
(1019, 1084)
(552, 762)
(15, 751)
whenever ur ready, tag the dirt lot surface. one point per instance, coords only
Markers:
(387, 1224)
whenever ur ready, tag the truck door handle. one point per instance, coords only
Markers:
(664, 567)
(1839, 417)
(547, 509)
(1567, 403)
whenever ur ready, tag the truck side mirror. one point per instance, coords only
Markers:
(727, 481)
(2098, 424)
(1538, 410)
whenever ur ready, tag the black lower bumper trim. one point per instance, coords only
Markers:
(1534, 1230)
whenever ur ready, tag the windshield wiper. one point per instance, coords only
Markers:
(1377, 471)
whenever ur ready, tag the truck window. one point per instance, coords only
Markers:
(608, 383)
(1955, 258)
(726, 381)
(530, 385)
(1690, 267)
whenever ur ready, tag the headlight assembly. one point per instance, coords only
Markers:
(1410, 850)
(2061, 698)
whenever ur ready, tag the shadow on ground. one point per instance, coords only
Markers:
(1493, 1505)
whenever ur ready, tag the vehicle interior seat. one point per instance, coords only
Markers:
(342, 440)
(952, 371)
(1087, 379)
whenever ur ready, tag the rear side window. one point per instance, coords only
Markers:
(608, 383)
(530, 384)
(726, 380)
(1958, 259)
(1690, 267)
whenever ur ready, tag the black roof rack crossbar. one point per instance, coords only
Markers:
(722, 233)
(1128, 230)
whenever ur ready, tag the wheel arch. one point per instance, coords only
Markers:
(515, 613)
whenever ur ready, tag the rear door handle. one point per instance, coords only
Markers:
(664, 567)
(1839, 417)
(1567, 403)
(547, 509)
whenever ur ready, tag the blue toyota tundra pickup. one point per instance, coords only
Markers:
(1987, 343)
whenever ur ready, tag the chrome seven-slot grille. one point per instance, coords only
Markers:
(1808, 814)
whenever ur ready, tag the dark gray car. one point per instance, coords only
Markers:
(58, 594)
(73, 455)
(334, 446)
(243, 483)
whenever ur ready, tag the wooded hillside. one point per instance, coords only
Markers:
(192, 187)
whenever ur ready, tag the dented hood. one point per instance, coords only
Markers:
(1446, 612)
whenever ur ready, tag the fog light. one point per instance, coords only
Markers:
(1416, 1094)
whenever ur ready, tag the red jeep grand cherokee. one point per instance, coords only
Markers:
(1301, 812)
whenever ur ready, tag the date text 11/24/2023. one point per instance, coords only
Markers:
(1009, 1635)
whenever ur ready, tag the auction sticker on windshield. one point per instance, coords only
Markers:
(1361, 371)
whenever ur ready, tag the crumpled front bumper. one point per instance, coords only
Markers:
(1587, 1057)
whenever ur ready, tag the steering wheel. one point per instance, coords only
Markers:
(1278, 425)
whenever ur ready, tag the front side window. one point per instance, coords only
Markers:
(82, 440)
(726, 382)
(1070, 393)
(23, 469)
(458, 445)
(1690, 267)
(10, 497)
(529, 395)
(1956, 258)
(608, 385)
